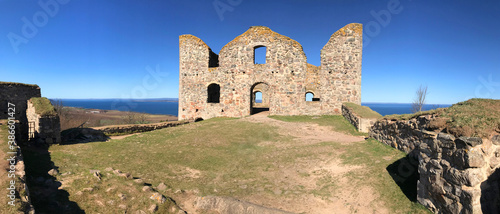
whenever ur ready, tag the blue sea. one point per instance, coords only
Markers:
(151, 106)
(399, 108)
(170, 105)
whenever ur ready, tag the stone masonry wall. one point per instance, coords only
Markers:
(362, 124)
(340, 71)
(457, 174)
(286, 74)
(18, 94)
(47, 129)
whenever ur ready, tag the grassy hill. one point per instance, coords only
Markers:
(296, 166)
(474, 117)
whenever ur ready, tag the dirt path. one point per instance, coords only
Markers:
(347, 198)
(306, 133)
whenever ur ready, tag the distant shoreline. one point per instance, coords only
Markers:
(159, 106)
(112, 99)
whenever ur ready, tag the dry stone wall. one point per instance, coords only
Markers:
(361, 124)
(136, 128)
(286, 74)
(457, 174)
(44, 129)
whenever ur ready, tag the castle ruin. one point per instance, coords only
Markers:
(226, 85)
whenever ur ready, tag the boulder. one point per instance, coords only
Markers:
(53, 172)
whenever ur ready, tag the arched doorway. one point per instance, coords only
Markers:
(259, 98)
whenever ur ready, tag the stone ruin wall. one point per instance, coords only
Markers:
(46, 129)
(286, 75)
(361, 124)
(19, 94)
(456, 174)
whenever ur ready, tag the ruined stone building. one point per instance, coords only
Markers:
(227, 84)
(30, 124)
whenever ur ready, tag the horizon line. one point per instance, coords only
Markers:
(371, 102)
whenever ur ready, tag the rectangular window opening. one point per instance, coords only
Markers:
(260, 54)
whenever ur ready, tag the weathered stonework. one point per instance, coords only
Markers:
(361, 124)
(44, 129)
(457, 174)
(284, 79)
(18, 94)
(137, 128)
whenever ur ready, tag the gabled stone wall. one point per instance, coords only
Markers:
(457, 174)
(286, 74)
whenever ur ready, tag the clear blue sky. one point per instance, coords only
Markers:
(102, 49)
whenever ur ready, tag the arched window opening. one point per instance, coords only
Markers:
(259, 55)
(213, 93)
(309, 96)
(258, 97)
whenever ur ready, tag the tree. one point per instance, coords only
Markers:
(419, 101)
(129, 117)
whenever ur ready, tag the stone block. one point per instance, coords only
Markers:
(470, 197)
(496, 140)
(473, 176)
(495, 158)
(455, 176)
(475, 158)
(469, 141)
(447, 140)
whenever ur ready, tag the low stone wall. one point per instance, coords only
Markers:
(457, 174)
(135, 128)
(21, 178)
(46, 129)
(22, 191)
(362, 124)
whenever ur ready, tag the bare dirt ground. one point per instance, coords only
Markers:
(348, 198)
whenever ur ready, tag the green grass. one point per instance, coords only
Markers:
(336, 122)
(19, 205)
(415, 115)
(17, 83)
(480, 115)
(229, 157)
(363, 111)
(43, 107)
(474, 117)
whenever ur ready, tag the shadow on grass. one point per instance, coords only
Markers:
(405, 173)
(45, 195)
(82, 135)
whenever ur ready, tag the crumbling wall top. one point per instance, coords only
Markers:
(263, 32)
(188, 37)
(353, 29)
(18, 84)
